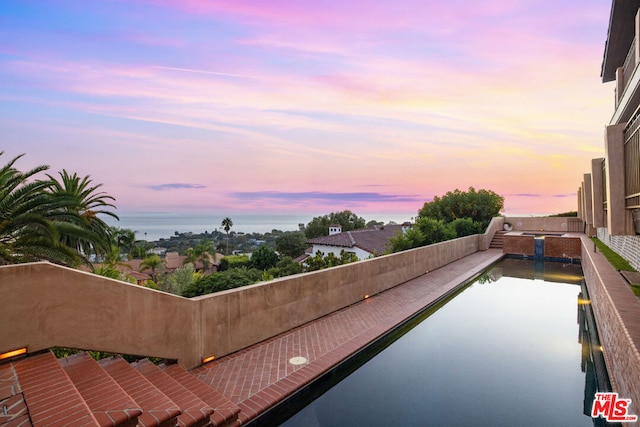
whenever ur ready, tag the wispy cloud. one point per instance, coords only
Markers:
(540, 195)
(176, 186)
(355, 197)
(215, 73)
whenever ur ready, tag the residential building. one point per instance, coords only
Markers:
(609, 196)
(364, 243)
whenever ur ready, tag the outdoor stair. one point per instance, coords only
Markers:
(40, 390)
(498, 240)
(108, 402)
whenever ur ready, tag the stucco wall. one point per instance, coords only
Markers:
(616, 311)
(45, 305)
(544, 223)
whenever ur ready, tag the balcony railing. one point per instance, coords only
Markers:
(627, 71)
(630, 63)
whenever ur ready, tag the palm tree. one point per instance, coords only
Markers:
(26, 234)
(125, 239)
(152, 262)
(79, 224)
(226, 225)
(202, 252)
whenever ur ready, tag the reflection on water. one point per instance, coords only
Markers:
(505, 351)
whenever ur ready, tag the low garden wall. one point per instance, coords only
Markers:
(45, 305)
(616, 310)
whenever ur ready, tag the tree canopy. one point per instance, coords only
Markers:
(47, 219)
(481, 206)
(291, 244)
(319, 226)
(264, 258)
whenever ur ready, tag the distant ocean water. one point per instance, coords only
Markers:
(154, 226)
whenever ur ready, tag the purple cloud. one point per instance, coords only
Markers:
(326, 196)
(176, 186)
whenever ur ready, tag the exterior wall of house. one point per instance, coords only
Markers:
(45, 305)
(361, 254)
(609, 194)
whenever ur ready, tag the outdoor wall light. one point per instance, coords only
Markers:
(582, 301)
(208, 359)
(366, 296)
(13, 353)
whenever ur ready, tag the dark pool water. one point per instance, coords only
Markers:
(506, 351)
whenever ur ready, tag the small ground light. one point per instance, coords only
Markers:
(13, 353)
(366, 296)
(298, 360)
(208, 359)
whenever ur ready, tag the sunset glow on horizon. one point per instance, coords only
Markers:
(285, 106)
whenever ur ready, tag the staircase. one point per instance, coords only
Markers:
(40, 390)
(498, 240)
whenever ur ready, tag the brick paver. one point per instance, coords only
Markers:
(260, 376)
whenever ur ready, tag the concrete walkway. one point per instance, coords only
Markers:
(260, 376)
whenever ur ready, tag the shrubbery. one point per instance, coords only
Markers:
(222, 281)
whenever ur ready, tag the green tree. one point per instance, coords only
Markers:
(79, 223)
(285, 267)
(202, 252)
(222, 281)
(226, 225)
(319, 226)
(125, 238)
(426, 231)
(234, 261)
(412, 238)
(152, 262)
(481, 206)
(320, 261)
(434, 230)
(179, 280)
(263, 258)
(291, 244)
(465, 227)
(26, 233)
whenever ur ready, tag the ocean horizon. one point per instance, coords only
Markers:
(153, 226)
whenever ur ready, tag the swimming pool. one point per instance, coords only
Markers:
(511, 349)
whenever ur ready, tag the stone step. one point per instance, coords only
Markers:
(225, 412)
(498, 240)
(195, 412)
(158, 409)
(49, 393)
(109, 403)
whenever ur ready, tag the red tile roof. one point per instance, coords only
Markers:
(373, 240)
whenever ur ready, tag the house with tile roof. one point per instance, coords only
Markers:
(364, 243)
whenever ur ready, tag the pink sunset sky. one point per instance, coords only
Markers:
(285, 106)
